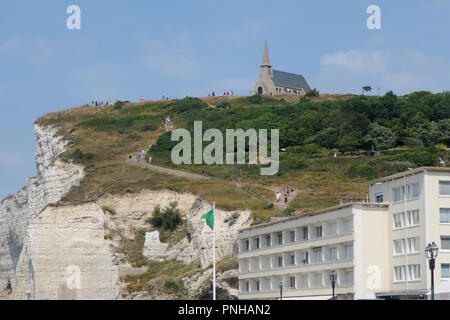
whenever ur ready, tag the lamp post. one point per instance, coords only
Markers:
(431, 252)
(333, 276)
(281, 290)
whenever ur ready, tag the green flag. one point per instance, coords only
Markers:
(209, 216)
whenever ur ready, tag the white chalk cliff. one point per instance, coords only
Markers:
(54, 179)
(51, 251)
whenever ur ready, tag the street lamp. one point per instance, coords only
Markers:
(333, 276)
(431, 252)
(281, 290)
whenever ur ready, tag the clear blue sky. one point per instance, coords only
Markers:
(128, 49)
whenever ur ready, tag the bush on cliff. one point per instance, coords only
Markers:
(168, 219)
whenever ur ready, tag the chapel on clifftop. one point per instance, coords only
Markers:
(274, 82)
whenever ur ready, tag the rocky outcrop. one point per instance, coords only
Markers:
(54, 179)
(131, 210)
(70, 257)
(227, 226)
(156, 250)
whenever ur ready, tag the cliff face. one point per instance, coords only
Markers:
(54, 179)
(69, 241)
(67, 252)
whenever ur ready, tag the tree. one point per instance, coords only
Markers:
(312, 93)
(367, 89)
(380, 138)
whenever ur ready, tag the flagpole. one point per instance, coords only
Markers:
(214, 252)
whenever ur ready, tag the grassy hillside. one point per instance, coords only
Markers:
(334, 144)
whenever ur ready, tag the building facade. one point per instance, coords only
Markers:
(275, 82)
(377, 248)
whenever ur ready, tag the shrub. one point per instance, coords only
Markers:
(188, 104)
(296, 162)
(312, 93)
(391, 167)
(327, 138)
(413, 143)
(108, 236)
(256, 99)
(223, 105)
(173, 286)
(232, 219)
(311, 149)
(79, 156)
(118, 105)
(169, 219)
(420, 158)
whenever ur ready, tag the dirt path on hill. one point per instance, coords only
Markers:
(179, 173)
(280, 206)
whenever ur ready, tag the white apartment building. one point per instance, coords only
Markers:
(377, 248)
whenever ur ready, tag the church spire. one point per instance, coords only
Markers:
(266, 61)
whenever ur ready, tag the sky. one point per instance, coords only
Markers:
(130, 49)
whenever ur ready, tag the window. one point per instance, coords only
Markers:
(247, 245)
(269, 240)
(412, 217)
(318, 280)
(399, 273)
(333, 254)
(292, 236)
(318, 254)
(348, 225)
(397, 194)
(305, 281)
(415, 191)
(399, 246)
(257, 243)
(413, 245)
(306, 257)
(445, 215)
(444, 188)
(293, 259)
(445, 270)
(280, 261)
(305, 233)
(379, 197)
(349, 276)
(348, 249)
(247, 286)
(280, 238)
(333, 228)
(268, 284)
(445, 243)
(292, 282)
(399, 219)
(319, 231)
(414, 272)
